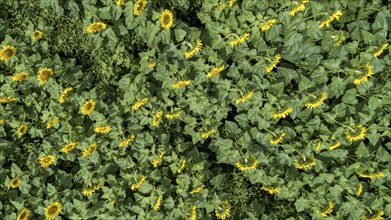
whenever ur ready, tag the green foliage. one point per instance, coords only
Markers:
(295, 142)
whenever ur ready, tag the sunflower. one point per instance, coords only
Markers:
(271, 190)
(37, 35)
(245, 98)
(44, 74)
(87, 152)
(358, 134)
(166, 18)
(224, 210)
(180, 84)
(282, 114)
(159, 159)
(247, 166)
(20, 76)
(51, 123)
(7, 99)
(158, 202)
(139, 7)
(215, 71)
(119, 2)
(197, 47)
(24, 214)
(139, 103)
(88, 107)
(46, 161)
(53, 210)
(7, 52)
(206, 134)
(2, 121)
(157, 118)
(15, 182)
(96, 27)
(127, 141)
(22, 130)
(67, 148)
(64, 95)
(103, 129)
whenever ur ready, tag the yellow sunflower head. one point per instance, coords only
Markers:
(46, 161)
(96, 27)
(44, 74)
(53, 210)
(22, 130)
(139, 7)
(167, 19)
(20, 76)
(7, 52)
(37, 35)
(88, 107)
(15, 182)
(24, 214)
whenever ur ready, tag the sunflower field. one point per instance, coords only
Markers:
(195, 109)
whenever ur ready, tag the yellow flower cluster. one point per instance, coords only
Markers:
(360, 133)
(245, 98)
(371, 175)
(139, 103)
(282, 114)
(268, 24)
(271, 190)
(273, 65)
(328, 210)
(67, 148)
(159, 159)
(304, 166)
(335, 16)
(137, 185)
(380, 50)
(215, 71)
(364, 78)
(318, 102)
(279, 139)
(91, 190)
(223, 211)
(197, 47)
(127, 141)
(180, 84)
(239, 40)
(91, 148)
(245, 167)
